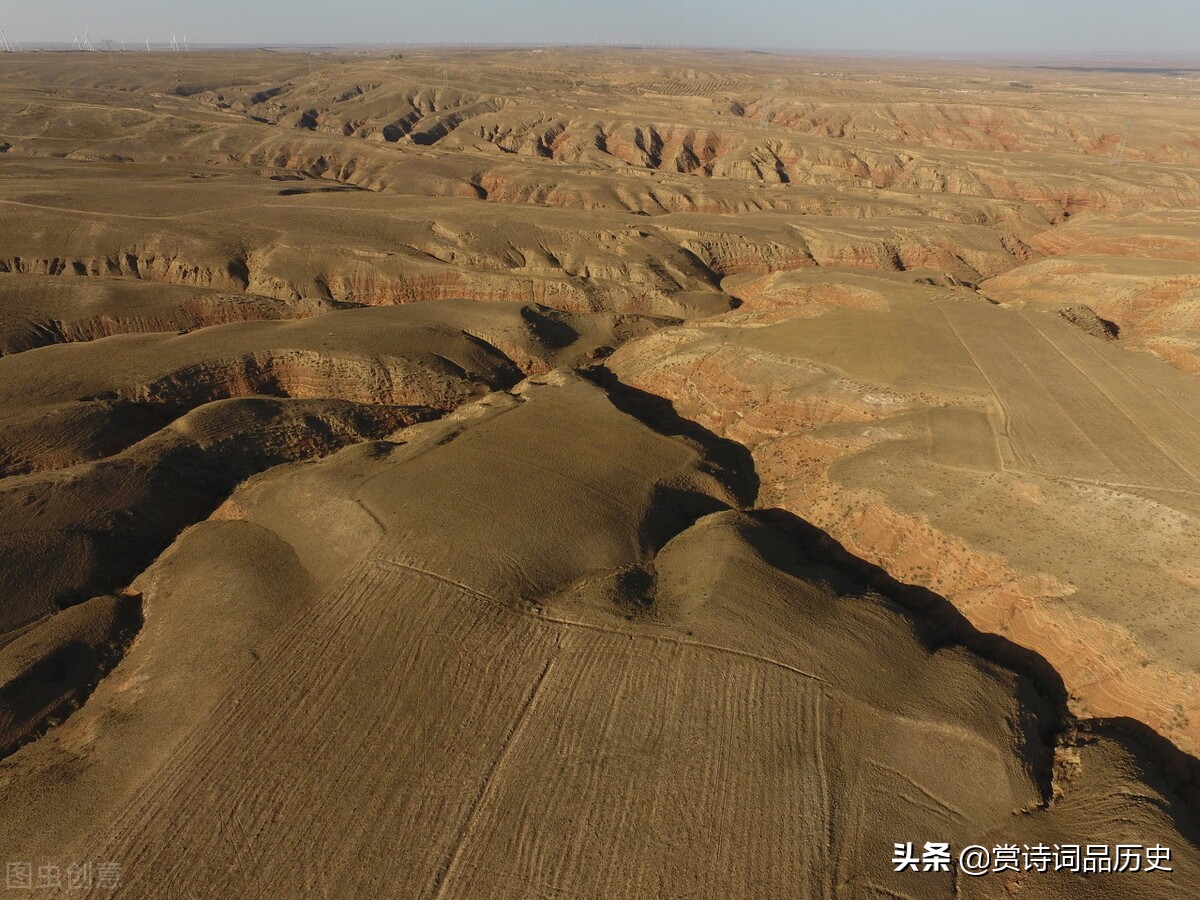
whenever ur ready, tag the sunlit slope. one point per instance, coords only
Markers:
(566, 673)
(351, 545)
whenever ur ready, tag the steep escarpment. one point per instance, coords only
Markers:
(36, 312)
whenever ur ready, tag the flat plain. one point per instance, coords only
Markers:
(615, 474)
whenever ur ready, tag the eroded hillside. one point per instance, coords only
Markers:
(595, 475)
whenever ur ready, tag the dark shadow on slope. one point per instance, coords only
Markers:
(107, 426)
(548, 326)
(941, 625)
(673, 511)
(134, 505)
(1163, 765)
(798, 547)
(117, 515)
(730, 462)
(938, 624)
(51, 670)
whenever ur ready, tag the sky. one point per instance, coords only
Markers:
(939, 27)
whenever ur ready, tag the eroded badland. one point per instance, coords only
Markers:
(613, 475)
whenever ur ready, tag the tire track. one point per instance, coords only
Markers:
(1113, 401)
(487, 787)
(1005, 417)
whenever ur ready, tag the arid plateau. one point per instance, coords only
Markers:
(596, 474)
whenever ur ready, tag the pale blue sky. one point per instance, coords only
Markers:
(946, 27)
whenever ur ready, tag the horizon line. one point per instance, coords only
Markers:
(138, 45)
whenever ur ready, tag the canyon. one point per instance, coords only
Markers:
(510, 473)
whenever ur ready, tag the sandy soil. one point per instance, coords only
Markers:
(625, 474)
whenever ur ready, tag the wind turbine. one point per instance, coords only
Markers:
(185, 46)
(147, 45)
(174, 43)
(87, 43)
(4, 44)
